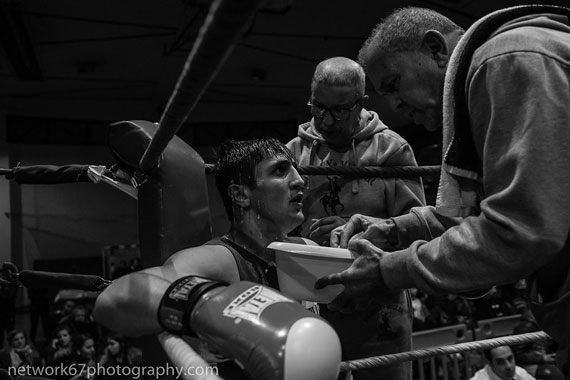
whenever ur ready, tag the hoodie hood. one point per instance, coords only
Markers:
(369, 124)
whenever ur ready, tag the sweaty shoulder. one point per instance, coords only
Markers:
(212, 261)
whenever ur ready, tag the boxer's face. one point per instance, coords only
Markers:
(412, 83)
(277, 198)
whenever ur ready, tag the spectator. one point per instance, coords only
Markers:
(81, 321)
(118, 353)
(61, 314)
(420, 310)
(458, 309)
(537, 358)
(8, 291)
(62, 350)
(20, 353)
(492, 305)
(501, 365)
(85, 355)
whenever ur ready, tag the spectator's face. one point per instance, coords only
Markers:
(79, 315)
(412, 83)
(503, 362)
(336, 132)
(277, 198)
(88, 349)
(68, 306)
(114, 346)
(63, 337)
(18, 341)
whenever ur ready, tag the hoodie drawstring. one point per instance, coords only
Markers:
(352, 160)
(314, 149)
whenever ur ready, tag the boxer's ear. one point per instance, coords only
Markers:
(239, 195)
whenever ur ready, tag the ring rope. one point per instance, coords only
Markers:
(366, 171)
(225, 24)
(372, 171)
(184, 358)
(384, 360)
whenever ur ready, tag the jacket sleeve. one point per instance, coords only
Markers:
(402, 193)
(518, 104)
(422, 223)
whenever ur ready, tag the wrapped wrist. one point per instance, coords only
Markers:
(179, 300)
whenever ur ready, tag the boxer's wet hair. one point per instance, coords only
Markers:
(403, 30)
(237, 161)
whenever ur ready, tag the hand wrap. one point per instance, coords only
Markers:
(179, 300)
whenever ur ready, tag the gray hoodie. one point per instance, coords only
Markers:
(372, 144)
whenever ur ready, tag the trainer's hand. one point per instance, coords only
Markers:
(364, 287)
(320, 229)
(380, 232)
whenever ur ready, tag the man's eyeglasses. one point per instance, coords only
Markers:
(338, 113)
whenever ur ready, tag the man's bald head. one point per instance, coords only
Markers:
(340, 71)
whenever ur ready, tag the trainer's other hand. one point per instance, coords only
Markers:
(320, 229)
(380, 232)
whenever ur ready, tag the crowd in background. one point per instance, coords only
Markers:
(438, 311)
(537, 358)
(70, 338)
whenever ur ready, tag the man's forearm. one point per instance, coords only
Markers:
(421, 223)
(129, 305)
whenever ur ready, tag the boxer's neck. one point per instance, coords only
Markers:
(256, 241)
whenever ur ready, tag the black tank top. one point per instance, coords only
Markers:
(250, 267)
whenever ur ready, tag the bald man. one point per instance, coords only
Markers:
(343, 133)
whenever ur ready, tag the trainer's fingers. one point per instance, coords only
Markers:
(363, 247)
(346, 233)
(335, 237)
(330, 279)
(315, 223)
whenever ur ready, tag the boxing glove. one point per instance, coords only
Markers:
(271, 336)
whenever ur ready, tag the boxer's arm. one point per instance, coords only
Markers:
(129, 305)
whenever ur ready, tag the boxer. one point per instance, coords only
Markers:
(262, 193)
